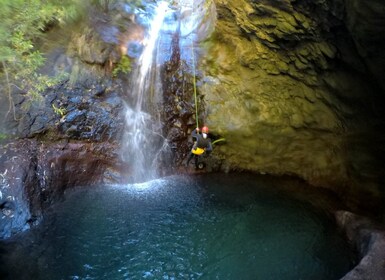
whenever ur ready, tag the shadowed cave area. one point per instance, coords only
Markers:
(292, 93)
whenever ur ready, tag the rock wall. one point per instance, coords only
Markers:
(35, 174)
(69, 138)
(365, 21)
(285, 83)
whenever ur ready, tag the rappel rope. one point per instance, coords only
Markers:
(195, 92)
(195, 87)
(218, 140)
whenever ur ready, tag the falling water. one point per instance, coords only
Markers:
(143, 140)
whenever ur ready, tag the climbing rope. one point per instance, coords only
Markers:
(195, 86)
(218, 140)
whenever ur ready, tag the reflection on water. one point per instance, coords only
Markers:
(203, 227)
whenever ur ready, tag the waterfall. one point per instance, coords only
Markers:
(144, 145)
(143, 140)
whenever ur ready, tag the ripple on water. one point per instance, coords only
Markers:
(208, 227)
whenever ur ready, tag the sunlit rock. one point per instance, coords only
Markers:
(284, 73)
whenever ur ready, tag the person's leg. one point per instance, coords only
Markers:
(189, 158)
(196, 161)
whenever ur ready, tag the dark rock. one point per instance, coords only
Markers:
(85, 112)
(39, 125)
(369, 240)
(75, 116)
(365, 19)
(35, 175)
(18, 176)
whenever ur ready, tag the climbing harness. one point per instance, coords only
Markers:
(197, 151)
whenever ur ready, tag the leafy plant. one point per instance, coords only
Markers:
(124, 66)
(23, 25)
(59, 111)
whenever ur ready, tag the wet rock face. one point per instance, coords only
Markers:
(16, 173)
(76, 148)
(35, 174)
(284, 84)
(178, 103)
(74, 132)
(91, 112)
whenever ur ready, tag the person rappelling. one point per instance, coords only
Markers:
(202, 146)
(202, 143)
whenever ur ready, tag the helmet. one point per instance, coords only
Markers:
(205, 129)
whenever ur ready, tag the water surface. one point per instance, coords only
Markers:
(202, 227)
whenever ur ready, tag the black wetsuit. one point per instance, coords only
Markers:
(202, 143)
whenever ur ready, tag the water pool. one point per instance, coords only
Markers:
(216, 226)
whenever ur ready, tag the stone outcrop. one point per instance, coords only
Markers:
(85, 112)
(35, 174)
(369, 240)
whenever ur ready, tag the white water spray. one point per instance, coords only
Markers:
(143, 140)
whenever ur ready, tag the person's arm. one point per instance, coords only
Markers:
(195, 133)
(209, 147)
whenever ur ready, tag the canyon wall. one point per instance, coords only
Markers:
(296, 87)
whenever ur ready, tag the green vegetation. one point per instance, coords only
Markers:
(59, 110)
(23, 28)
(3, 136)
(23, 25)
(124, 66)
